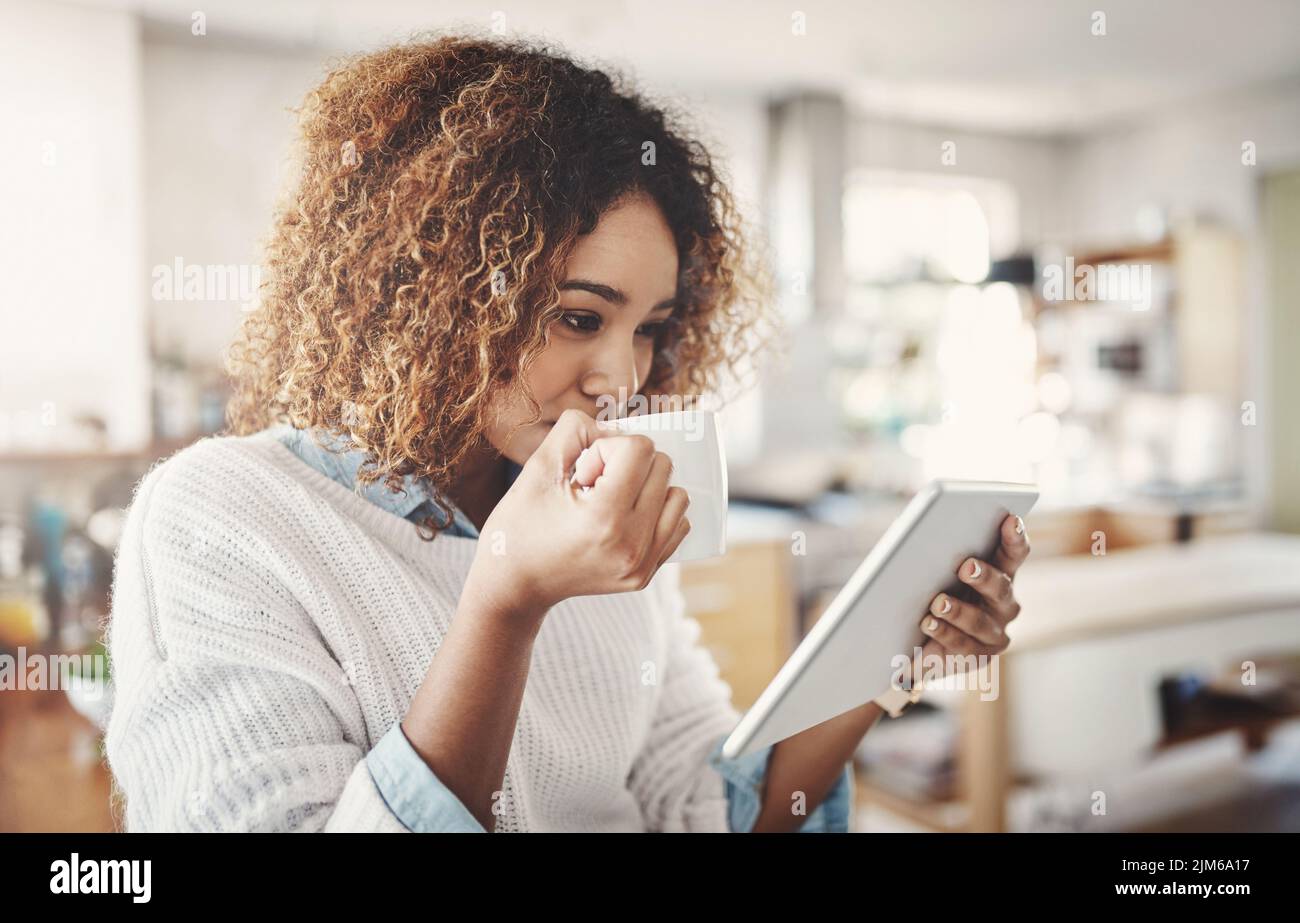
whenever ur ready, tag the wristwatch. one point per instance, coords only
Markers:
(897, 701)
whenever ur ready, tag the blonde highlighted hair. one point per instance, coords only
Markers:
(415, 266)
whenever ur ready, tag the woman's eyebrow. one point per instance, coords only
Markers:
(614, 296)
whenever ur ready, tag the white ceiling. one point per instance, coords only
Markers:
(1001, 65)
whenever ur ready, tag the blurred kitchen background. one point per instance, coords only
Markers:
(928, 174)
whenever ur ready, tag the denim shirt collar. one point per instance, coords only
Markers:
(332, 460)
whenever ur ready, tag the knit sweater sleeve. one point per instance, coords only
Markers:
(229, 713)
(672, 778)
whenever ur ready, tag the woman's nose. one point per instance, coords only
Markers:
(613, 375)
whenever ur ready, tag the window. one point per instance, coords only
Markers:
(930, 364)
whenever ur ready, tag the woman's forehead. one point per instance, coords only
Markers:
(631, 249)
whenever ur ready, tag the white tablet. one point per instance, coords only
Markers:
(848, 658)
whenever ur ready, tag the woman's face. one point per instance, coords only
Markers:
(619, 289)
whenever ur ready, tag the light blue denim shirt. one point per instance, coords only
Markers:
(411, 789)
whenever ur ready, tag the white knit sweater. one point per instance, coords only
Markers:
(269, 626)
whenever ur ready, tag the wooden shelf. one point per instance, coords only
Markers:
(1161, 251)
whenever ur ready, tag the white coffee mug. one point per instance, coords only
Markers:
(693, 440)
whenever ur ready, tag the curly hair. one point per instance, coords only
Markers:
(414, 267)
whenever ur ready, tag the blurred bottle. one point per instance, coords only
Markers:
(80, 625)
(24, 621)
(175, 395)
(49, 526)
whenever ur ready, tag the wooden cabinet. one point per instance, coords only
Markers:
(745, 604)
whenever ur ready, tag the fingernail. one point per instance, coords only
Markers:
(946, 605)
(932, 624)
(1020, 526)
(976, 570)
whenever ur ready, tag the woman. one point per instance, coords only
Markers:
(487, 242)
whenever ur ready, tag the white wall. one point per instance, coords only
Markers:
(72, 333)
(217, 137)
(1032, 166)
(1184, 160)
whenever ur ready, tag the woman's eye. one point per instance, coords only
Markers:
(587, 323)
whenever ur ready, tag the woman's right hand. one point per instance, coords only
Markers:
(548, 540)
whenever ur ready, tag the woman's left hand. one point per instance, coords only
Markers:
(961, 628)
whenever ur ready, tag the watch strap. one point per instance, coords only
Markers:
(896, 701)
